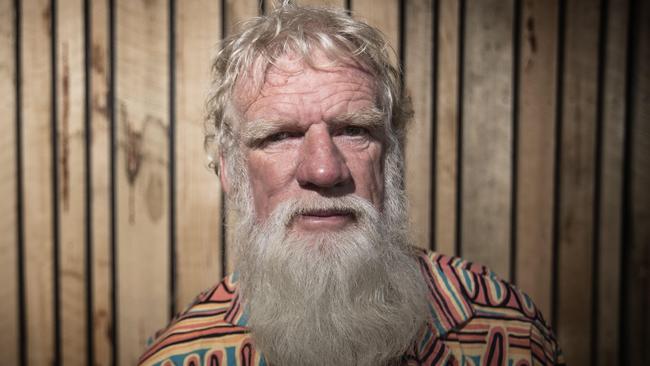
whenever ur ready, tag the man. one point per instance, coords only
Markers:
(307, 124)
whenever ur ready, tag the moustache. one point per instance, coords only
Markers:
(354, 206)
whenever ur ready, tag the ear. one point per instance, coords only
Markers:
(223, 175)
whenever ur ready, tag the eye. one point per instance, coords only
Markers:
(280, 136)
(355, 131)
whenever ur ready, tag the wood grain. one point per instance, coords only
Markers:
(487, 134)
(637, 262)
(577, 173)
(70, 170)
(142, 109)
(384, 16)
(8, 223)
(536, 151)
(102, 260)
(611, 184)
(198, 193)
(446, 153)
(418, 78)
(238, 11)
(36, 81)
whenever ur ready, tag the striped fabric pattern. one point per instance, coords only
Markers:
(475, 319)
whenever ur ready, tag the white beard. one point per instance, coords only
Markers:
(349, 297)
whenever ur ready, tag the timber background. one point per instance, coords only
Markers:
(529, 153)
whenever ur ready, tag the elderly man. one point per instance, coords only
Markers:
(307, 123)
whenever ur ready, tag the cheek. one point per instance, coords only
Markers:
(269, 176)
(369, 175)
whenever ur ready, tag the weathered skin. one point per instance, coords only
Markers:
(307, 152)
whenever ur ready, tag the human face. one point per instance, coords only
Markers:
(312, 132)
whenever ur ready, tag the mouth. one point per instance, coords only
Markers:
(326, 219)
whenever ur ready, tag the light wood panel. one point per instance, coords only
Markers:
(238, 11)
(8, 179)
(418, 79)
(142, 125)
(198, 193)
(384, 17)
(446, 154)
(36, 82)
(577, 173)
(100, 112)
(637, 325)
(611, 186)
(487, 134)
(71, 177)
(536, 150)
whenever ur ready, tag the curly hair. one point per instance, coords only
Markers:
(300, 30)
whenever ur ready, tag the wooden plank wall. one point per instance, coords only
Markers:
(9, 151)
(529, 152)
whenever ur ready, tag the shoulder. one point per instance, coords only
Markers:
(474, 305)
(204, 332)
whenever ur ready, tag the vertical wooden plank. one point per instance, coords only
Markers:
(198, 193)
(536, 150)
(487, 134)
(611, 181)
(99, 56)
(8, 171)
(384, 15)
(447, 126)
(236, 12)
(71, 176)
(637, 261)
(577, 174)
(36, 108)
(418, 50)
(142, 106)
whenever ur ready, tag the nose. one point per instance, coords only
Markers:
(321, 165)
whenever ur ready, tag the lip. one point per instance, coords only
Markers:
(322, 220)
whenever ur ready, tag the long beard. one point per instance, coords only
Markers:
(349, 297)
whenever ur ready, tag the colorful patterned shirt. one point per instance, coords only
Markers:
(476, 319)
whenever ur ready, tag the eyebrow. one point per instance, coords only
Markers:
(370, 118)
(257, 130)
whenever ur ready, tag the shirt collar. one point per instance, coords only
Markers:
(449, 286)
(236, 315)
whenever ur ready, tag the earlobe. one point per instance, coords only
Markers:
(223, 175)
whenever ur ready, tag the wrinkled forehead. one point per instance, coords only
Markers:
(279, 72)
